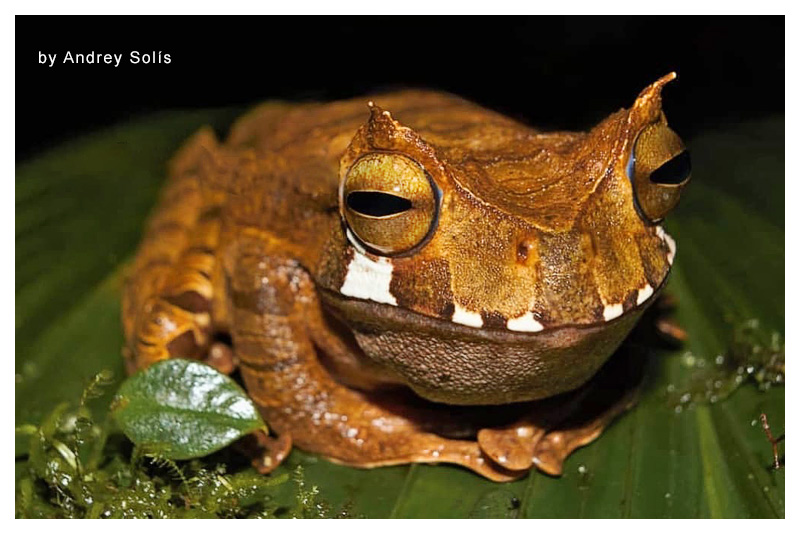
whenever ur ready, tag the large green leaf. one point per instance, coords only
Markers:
(80, 208)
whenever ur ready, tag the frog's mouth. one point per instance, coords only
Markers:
(368, 279)
(447, 362)
(462, 357)
(377, 316)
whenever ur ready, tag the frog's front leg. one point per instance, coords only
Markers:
(272, 300)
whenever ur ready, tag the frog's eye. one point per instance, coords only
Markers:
(389, 203)
(660, 167)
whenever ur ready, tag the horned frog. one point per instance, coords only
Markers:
(412, 278)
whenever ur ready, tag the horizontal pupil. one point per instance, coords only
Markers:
(673, 171)
(376, 204)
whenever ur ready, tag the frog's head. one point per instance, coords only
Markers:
(486, 262)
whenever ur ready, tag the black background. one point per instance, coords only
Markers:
(552, 72)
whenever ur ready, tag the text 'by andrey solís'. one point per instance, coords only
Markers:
(114, 59)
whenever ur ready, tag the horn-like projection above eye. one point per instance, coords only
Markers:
(389, 203)
(659, 169)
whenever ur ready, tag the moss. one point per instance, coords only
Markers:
(754, 355)
(78, 467)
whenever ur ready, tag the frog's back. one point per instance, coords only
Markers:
(279, 126)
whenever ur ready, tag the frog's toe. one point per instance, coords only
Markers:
(511, 448)
(669, 329)
(271, 451)
(469, 455)
(432, 449)
(514, 446)
(553, 449)
(665, 325)
(221, 357)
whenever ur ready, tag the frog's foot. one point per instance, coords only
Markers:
(514, 446)
(556, 427)
(274, 304)
(554, 448)
(377, 434)
(526, 444)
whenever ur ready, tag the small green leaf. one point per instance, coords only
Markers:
(184, 408)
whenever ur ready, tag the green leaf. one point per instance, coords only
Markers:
(184, 409)
(79, 212)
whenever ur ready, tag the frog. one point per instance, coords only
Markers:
(410, 277)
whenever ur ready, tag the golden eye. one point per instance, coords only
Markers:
(389, 203)
(659, 168)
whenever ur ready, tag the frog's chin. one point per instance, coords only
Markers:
(453, 363)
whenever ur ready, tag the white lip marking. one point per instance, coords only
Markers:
(666, 238)
(368, 279)
(645, 293)
(671, 245)
(524, 323)
(466, 317)
(612, 311)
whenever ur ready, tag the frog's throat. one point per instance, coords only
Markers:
(369, 278)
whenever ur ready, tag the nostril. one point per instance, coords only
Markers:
(524, 249)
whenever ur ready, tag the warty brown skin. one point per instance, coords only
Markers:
(249, 240)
